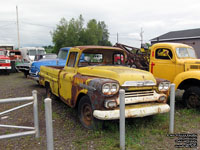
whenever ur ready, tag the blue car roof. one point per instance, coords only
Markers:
(65, 48)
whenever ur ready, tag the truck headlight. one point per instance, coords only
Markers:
(163, 86)
(7, 61)
(110, 88)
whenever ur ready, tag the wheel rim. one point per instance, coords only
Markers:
(194, 100)
(87, 114)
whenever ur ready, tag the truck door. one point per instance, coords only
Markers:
(163, 64)
(66, 78)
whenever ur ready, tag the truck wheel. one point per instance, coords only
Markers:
(25, 74)
(191, 97)
(85, 113)
(48, 92)
(7, 72)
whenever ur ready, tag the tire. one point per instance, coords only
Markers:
(85, 113)
(48, 92)
(7, 72)
(191, 97)
(25, 74)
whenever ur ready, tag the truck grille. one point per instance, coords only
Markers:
(138, 93)
(194, 67)
(140, 96)
(2, 61)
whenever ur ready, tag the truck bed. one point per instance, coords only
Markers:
(50, 73)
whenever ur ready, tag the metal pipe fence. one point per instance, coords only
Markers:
(172, 108)
(35, 129)
(122, 118)
(49, 126)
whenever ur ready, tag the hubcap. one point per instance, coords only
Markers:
(194, 100)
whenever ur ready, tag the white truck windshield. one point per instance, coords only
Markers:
(183, 52)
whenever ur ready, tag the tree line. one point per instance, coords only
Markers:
(73, 33)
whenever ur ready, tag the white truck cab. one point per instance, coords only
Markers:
(28, 53)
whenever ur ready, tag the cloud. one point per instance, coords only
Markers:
(37, 18)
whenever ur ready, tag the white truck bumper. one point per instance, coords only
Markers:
(5, 67)
(132, 111)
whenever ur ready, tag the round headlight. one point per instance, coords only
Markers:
(106, 88)
(166, 86)
(163, 86)
(7, 61)
(114, 88)
(160, 87)
(110, 88)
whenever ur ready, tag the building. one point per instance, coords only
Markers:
(190, 37)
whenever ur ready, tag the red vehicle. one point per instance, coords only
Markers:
(5, 65)
(119, 59)
(15, 58)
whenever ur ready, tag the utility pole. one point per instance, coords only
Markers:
(117, 38)
(18, 28)
(141, 36)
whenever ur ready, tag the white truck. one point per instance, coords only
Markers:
(28, 54)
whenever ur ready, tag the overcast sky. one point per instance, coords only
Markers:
(38, 17)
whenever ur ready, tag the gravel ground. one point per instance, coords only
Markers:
(65, 122)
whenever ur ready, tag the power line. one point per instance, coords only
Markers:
(36, 24)
(7, 24)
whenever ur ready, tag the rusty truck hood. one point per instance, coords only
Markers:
(118, 73)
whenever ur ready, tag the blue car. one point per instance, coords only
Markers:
(59, 61)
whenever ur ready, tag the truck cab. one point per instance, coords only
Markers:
(29, 54)
(5, 65)
(178, 63)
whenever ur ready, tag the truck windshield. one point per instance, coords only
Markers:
(183, 52)
(103, 58)
(62, 54)
(32, 52)
(41, 52)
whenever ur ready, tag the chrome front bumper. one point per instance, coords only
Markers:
(132, 111)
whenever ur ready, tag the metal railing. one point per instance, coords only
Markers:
(49, 124)
(32, 130)
(122, 114)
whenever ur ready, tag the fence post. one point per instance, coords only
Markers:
(49, 127)
(122, 118)
(172, 107)
(35, 113)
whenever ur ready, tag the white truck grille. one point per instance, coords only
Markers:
(141, 96)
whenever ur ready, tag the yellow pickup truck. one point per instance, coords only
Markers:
(91, 80)
(178, 63)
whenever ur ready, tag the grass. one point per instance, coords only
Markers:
(141, 133)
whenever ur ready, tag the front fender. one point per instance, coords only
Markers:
(95, 92)
(184, 76)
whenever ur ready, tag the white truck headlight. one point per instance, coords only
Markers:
(163, 86)
(110, 88)
(7, 61)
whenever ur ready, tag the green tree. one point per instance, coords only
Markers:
(105, 34)
(59, 35)
(73, 33)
